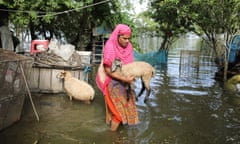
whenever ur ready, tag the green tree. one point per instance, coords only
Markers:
(73, 20)
(171, 18)
(207, 18)
(215, 17)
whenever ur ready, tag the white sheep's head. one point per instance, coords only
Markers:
(60, 75)
(63, 75)
(116, 64)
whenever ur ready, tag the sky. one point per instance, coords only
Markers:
(139, 7)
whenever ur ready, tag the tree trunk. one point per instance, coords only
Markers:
(163, 45)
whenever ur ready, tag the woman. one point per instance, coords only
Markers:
(119, 110)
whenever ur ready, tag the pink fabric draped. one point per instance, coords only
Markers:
(113, 50)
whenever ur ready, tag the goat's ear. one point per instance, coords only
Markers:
(120, 64)
(113, 67)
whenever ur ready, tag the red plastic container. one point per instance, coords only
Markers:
(41, 43)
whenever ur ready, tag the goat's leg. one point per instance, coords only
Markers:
(146, 84)
(142, 89)
(128, 90)
(147, 95)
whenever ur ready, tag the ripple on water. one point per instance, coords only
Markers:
(190, 92)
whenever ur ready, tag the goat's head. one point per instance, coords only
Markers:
(116, 64)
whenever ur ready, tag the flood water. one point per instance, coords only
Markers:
(186, 106)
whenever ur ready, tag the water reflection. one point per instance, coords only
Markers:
(189, 108)
(182, 109)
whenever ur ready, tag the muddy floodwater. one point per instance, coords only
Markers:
(186, 106)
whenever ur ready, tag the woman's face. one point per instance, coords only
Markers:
(123, 40)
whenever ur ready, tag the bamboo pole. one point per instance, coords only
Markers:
(29, 93)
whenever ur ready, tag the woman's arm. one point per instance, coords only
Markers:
(118, 76)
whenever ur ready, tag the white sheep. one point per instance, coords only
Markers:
(137, 69)
(77, 89)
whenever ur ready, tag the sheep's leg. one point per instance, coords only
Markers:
(70, 97)
(87, 102)
(69, 94)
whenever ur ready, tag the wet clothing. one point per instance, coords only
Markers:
(111, 51)
(118, 109)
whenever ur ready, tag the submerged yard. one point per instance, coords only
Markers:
(186, 106)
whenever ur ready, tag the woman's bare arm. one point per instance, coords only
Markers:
(118, 76)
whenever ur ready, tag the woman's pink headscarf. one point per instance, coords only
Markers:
(113, 50)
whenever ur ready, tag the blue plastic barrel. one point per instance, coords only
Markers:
(233, 52)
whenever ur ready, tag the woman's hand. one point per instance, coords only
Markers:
(130, 79)
(119, 76)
